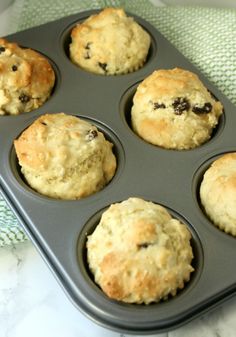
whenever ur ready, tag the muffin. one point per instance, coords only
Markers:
(109, 43)
(173, 109)
(138, 253)
(218, 193)
(26, 79)
(65, 157)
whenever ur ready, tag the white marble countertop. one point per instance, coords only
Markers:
(32, 304)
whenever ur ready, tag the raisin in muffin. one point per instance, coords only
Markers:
(218, 192)
(138, 253)
(65, 157)
(173, 109)
(109, 43)
(26, 79)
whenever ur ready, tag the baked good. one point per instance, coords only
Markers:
(109, 43)
(138, 253)
(26, 79)
(173, 109)
(65, 157)
(218, 192)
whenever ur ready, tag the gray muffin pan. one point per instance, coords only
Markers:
(167, 177)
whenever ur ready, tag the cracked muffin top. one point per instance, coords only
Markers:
(173, 109)
(26, 79)
(65, 157)
(109, 43)
(138, 253)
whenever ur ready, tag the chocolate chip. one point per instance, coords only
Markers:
(14, 67)
(144, 245)
(43, 123)
(87, 56)
(159, 106)
(2, 49)
(205, 109)
(180, 104)
(91, 135)
(88, 45)
(103, 66)
(24, 98)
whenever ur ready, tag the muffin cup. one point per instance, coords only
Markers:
(66, 39)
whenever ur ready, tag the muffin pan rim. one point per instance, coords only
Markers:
(118, 150)
(197, 247)
(126, 117)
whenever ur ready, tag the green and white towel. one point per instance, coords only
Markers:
(206, 36)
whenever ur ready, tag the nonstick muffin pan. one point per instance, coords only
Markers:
(171, 178)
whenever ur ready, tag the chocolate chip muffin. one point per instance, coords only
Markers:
(173, 109)
(26, 79)
(65, 157)
(109, 43)
(138, 253)
(218, 192)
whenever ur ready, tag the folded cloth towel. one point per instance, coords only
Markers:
(206, 36)
(10, 231)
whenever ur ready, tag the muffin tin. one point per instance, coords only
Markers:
(167, 177)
